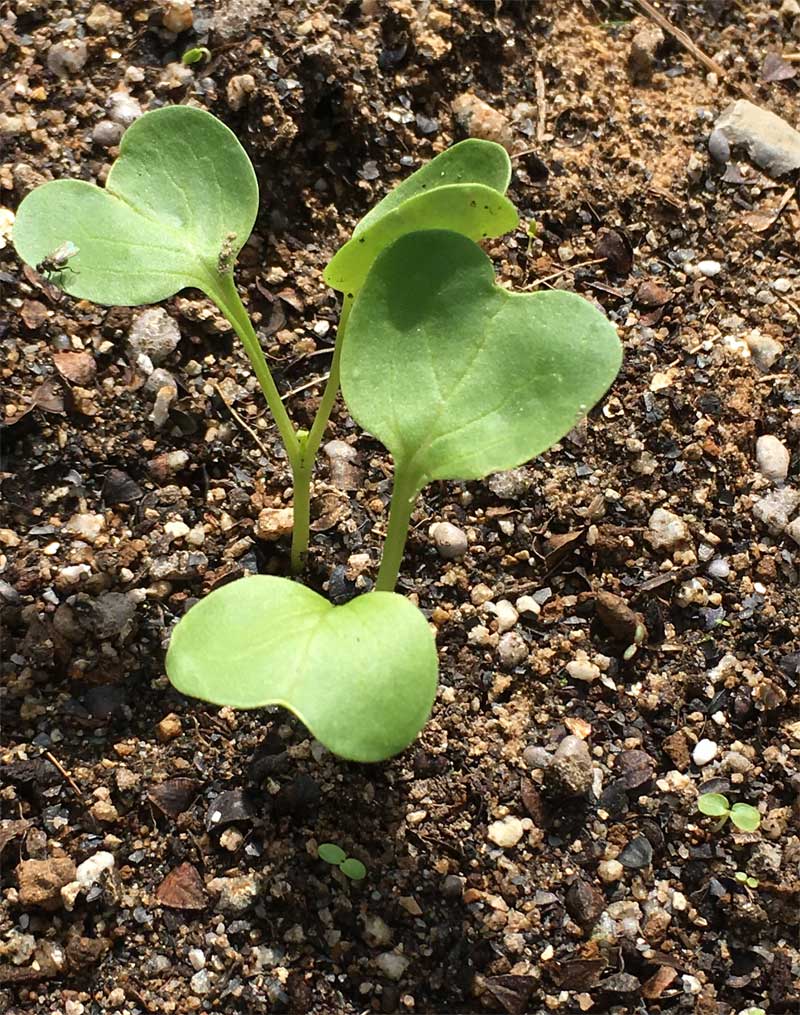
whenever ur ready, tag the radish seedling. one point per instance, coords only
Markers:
(715, 805)
(458, 378)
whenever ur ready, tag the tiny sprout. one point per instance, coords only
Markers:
(746, 879)
(336, 856)
(195, 55)
(715, 805)
(752, 1011)
(639, 637)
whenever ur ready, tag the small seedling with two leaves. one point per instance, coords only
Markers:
(195, 55)
(715, 805)
(336, 856)
(457, 376)
(745, 879)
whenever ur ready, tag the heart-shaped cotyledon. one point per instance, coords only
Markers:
(460, 378)
(462, 189)
(362, 677)
(178, 205)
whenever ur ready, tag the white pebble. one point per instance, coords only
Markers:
(583, 669)
(451, 542)
(197, 959)
(392, 964)
(709, 268)
(88, 872)
(704, 752)
(506, 833)
(667, 530)
(506, 615)
(773, 458)
(527, 604)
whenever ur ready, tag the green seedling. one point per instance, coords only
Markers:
(457, 377)
(460, 378)
(195, 55)
(349, 866)
(180, 203)
(746, 879)
(715, 805)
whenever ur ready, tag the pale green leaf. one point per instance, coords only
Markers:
(460, 378)
(331, 853)
(353, 869)
(745, 817)
(362, 677)
(462, 189)
(181, 194)
(715, 805)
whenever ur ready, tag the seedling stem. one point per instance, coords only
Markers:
(404, 496)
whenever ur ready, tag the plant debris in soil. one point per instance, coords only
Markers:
(617, 621)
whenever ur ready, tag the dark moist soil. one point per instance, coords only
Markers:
(102, 761)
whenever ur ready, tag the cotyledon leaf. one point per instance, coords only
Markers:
(460, 378)
(362, 677)
(178, 205)
(461, 189)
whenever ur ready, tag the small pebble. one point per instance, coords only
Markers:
(392, 964)
(537, 757)
(274, 523)
(123, 108)
(478, 119)
(451, 542)
(709, 268)
(667, 530)
(764, 349)
(377, 933)
(106, 133)
(200, 983)
(505, 615)
(67, 58)
(773, 458)
(177, 16)
(506, 833)
(704, 752)
(581, 668)
(610, 871)
(169, 728)
(197, 959)
(239, 89)
(512, 650)
(776, 509)
(154, 334)
(718, 568)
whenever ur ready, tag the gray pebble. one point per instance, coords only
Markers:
(107, 133)
(719, 148)
(154, 334)
(451, 542)
(773, 458)
(67, 58)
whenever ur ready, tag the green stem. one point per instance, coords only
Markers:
(404, 496)
(331, 390)
(301, 529)
(227, 298)
(309, 446)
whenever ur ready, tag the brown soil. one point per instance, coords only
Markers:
(101, 756)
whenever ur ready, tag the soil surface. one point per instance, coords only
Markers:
(621, 634)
